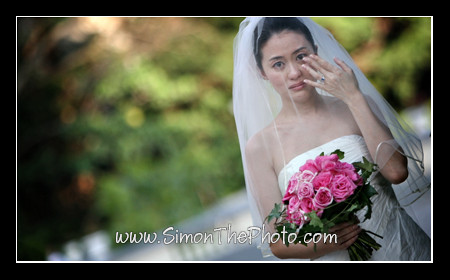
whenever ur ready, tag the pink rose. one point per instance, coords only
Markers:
(297, 218)
(292, 187)
(294, 214)
(307, 205)
(307, 175)
(342, 187)
(347, 169)
(294, 205)
(287, 196)
(323, 179)
(326, 163)
(310, 165)
(323, 198)
(293, 184)
(305, 189)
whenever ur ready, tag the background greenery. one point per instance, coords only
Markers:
(125, 124)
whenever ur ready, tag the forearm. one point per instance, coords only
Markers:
(373, 131)
(393, 164)
(298, 251)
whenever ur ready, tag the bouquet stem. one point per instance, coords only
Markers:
(361, 249)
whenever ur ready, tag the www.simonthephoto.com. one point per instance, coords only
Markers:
(220, 236)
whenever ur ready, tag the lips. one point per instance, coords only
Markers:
(297, 86)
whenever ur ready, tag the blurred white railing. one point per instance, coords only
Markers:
(216, 234)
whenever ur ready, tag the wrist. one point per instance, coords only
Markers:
(355, 99)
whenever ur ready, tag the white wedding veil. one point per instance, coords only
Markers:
(256, 104)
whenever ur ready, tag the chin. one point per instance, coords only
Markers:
(303, 94)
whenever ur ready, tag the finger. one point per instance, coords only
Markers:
(313, 72)
(314, 84)
(315, 65)
(350, 232)
(341, 226)
(322, 64)
(343, 65)
(342, 240)
(349, 242)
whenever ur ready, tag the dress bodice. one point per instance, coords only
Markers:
(352, 145)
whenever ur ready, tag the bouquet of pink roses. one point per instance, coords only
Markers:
(325, 192)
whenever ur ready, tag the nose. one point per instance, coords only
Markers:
(294, 71)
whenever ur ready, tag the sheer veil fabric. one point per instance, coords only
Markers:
(256, 104)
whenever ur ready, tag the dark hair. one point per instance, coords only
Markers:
(275, 25)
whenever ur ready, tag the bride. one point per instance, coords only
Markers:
(297, 93)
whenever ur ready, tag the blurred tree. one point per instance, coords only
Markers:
(126, 124)
(121, 125)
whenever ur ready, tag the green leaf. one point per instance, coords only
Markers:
(352, 208)
(327, 225)
(315, 220)
(275, 213)
(309, 228)
(365, 165)
(369, 191)
(339, 153)
(366, 192)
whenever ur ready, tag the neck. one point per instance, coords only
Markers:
(305, 106)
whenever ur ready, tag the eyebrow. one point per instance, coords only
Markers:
(294, 52)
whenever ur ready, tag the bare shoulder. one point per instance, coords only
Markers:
(258, 145)
(253, 146)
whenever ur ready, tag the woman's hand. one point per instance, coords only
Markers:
(347, 234)
(340, 82)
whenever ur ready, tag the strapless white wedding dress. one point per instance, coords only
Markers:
(403, 239)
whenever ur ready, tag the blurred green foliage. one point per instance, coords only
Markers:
(394, 53)
(125, 124)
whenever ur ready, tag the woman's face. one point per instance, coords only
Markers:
(282, 57)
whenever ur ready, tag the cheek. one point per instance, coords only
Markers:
(277, 80)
